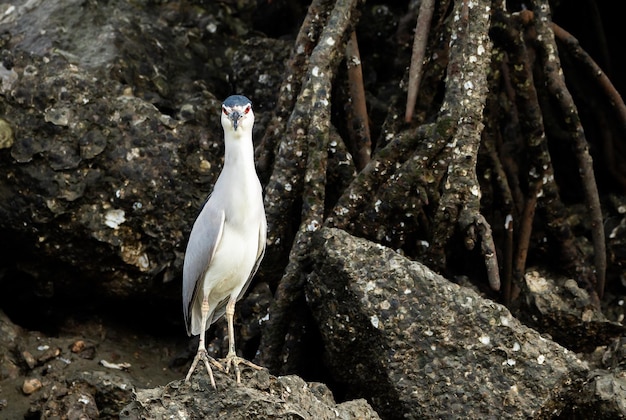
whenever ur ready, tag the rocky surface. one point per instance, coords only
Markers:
(89, 367)
(418, 345)
(261, 396)
(558, 307)
(409, 341)
(110, 142)
(111, 135)
(112, 374)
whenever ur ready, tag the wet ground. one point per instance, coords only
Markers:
(91, 345)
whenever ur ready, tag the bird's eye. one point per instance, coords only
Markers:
(247, 109)
(224, 110)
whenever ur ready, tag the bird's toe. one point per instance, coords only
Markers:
(208, 360)
(233, 361)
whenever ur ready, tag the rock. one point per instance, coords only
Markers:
(9, 334)
(48, 354)
(31, 385)
(103, 174)
(260, 395)
(80, 346)
(557, 306)
(602, 397)
(6, 134)
(108, 391)
(111, 138)
(28, 358)
(76, 401)
(614, 356)
(65, 380)
(256, 73)
(418, 346)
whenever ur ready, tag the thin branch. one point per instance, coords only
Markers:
(422, 28)
(501, 183)
(507, 276)
(604, 83)
(524, 232)
(556, 86)
(361, 144)
(540, 174)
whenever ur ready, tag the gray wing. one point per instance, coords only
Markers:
(203, 240)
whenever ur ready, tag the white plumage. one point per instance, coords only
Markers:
(227, 240)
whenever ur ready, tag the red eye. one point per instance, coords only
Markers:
(247, 109)
(225, 111)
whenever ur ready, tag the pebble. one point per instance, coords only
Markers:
(78, 346)
(49, 354)
(29, 359)
(31, 385)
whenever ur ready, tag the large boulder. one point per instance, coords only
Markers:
(110, 138)
(418, 346)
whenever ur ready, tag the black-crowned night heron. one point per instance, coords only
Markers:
(227, 241)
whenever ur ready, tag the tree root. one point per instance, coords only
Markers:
(300, 171)
(429, 187)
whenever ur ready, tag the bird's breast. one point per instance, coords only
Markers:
(233, 261)
(242, 199)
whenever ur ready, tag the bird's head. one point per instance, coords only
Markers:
(237, 114)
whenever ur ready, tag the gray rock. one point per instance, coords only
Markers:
(41, 376)
(260, 396)
(602, 397)
(558, 306)
(419, 346)
(110, 122)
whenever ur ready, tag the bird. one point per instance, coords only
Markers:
(227, 240)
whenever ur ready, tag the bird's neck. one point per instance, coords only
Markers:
(239, 152)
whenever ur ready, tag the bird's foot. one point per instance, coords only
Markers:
(232, 360)
(204, 356)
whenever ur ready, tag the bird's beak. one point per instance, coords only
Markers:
(234, 117)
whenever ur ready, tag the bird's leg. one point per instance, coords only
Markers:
(231, 357)
(202, 353)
